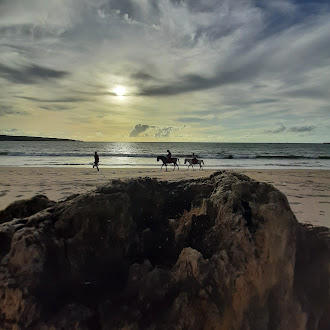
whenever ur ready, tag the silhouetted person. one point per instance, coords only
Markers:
(96, 161)
(169, 155)
(194, 159)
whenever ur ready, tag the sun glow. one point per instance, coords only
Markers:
(120, 91)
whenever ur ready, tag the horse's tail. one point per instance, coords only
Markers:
(178, 160)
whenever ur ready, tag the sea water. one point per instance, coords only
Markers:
(144, 154)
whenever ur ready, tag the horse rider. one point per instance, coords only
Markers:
(169, 155)
(194, 159)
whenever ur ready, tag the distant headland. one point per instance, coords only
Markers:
(29, 138)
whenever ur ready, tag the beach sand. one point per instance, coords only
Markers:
(308, 191)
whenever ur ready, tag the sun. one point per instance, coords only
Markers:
(120, 91)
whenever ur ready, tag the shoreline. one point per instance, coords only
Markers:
(307, 190)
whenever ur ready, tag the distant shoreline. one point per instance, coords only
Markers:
(29, 138)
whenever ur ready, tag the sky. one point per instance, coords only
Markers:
(166, 70)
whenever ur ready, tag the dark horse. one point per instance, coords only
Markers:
(166, 161)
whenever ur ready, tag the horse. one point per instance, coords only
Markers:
(193, 162)
(166, 161)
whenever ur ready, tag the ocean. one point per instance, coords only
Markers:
(144, 154)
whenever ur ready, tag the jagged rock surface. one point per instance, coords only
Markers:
(219, 253)
(25, 208)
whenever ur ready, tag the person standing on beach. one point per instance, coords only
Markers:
(96, 161)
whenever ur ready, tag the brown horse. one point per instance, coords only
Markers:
(166, 161)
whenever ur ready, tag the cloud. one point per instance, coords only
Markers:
(282, 128)
(156, 131)
(32, 74)
(60, 100)
(138, 129)
(140, 75)
(55, 107)
(8, 110)
(10, 131)
(204, 117)
(189, 119)
(14, 131)
(164, 132)
(302, 128)
(312, 92)
(246, 60)
(55, 17)
(262, 101)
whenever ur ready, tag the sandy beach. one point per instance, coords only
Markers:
(308, 191)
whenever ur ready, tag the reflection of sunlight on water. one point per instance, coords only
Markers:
(126, 148)
(120, 148)
(123, 148)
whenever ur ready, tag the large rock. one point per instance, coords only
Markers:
(219, 253)
(25, 208)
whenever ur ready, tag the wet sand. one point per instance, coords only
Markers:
(308, 191)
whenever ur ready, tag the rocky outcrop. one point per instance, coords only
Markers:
(25, 208)
(312, 274)
(224, 252)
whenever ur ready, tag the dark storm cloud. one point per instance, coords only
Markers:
(302, 128)
(281, 129)
(138, 129)
(32, 74)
